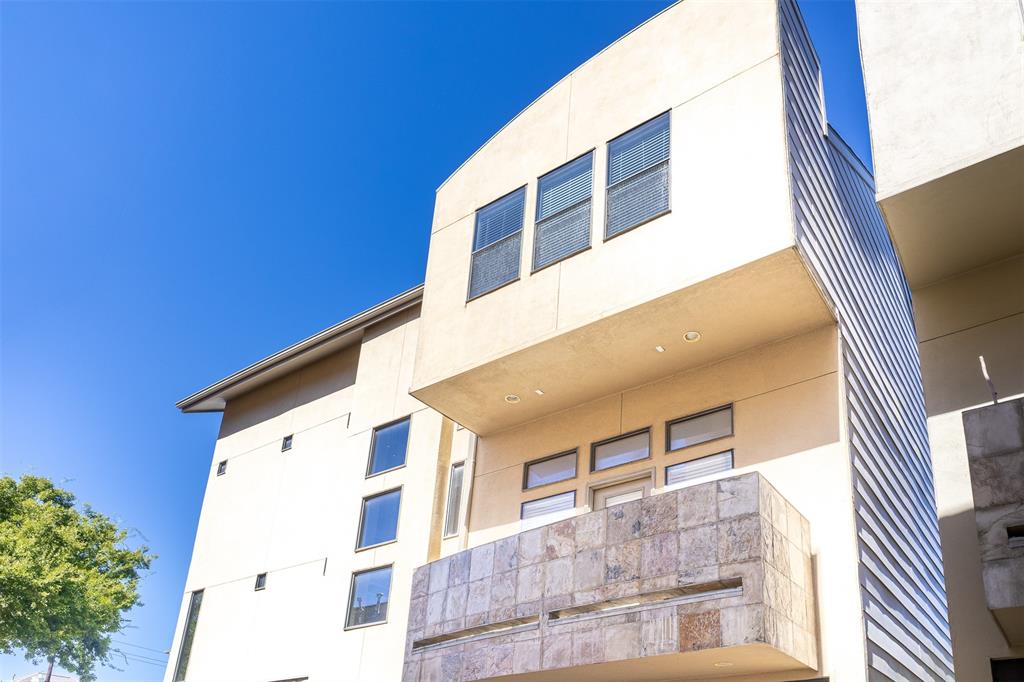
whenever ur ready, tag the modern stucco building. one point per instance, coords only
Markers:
(656, 413)
(945, 92)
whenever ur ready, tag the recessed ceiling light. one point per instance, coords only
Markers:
(691, 337)
(538, 391)
(511, 398)
(660, 349)
(723, 664)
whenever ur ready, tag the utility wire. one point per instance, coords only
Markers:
(138, 646)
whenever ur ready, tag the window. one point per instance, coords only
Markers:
(388, 447)
(1015, 536)
(563, 212)
(620, 450)
(696, 468)
(222, 468)
(187, 637)
(286, 443)
(638, 176)
(451, 516)
(699, 428)
(551, 469)
(547, 509)
(379, 521)
(497, 241)
(261, 582)
(368, 600)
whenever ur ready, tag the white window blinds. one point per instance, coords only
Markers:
(638, 175)
(563, 212)
(497, 241)
(698, 468)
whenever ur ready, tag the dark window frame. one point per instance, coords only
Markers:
(622, 436)
(703, 413)
(536, 212)
(541, 460)
(222, 467)
(351, 594)
(287, 442)
(261, 582)
(373, 445)
(188, 635)
(731, 451)
(522, 505)
(473, 250)
(362, 518)
(608, 186)
(458, 501)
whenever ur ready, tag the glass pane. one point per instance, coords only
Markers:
(185, 649)
(639, 149)
(551, 470)
(548, 505)
(380, 518)
(694, 430)
(499, 219)
(369, 601)
(389, 447)
(451, 519)
(621, 451)
(564, 187)
(704, 466)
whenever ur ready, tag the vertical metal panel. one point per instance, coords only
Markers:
(842, 236)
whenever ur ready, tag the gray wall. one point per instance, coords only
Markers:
(843, 238)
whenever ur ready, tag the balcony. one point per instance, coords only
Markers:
(995, 452)
(709, 580)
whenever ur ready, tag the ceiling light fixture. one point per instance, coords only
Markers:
(723, 664)
(538, 391)
(660, 349)
(691, 337)
(511, 398)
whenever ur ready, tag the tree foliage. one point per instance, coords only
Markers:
(67, 580)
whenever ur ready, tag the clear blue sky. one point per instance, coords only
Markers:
(187, 188)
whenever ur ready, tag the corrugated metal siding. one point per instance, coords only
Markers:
(842, 236)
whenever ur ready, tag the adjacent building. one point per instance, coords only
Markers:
(657, 412)
(945, 92)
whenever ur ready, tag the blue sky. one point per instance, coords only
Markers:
(186, 188)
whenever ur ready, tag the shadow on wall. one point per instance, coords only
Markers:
(329, 375)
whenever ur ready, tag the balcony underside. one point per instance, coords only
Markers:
(764, 301)
(959, 221)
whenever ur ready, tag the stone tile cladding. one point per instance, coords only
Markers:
(738, 527)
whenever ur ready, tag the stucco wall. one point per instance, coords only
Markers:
(295, 514)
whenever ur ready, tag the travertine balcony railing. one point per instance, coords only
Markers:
(706, 580)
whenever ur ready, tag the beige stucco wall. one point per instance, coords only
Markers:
(944, 83)
(787, 423)
(715, 66)
(295, 516)
(977, 313)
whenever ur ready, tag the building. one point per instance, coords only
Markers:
(656, 413)
(945, 92)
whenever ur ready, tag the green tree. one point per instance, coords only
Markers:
(67, 580)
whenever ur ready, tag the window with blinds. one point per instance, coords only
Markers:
(547, 510)
(563, 211)
(699, 428)
(698, 468)
(638, 176)
(497, 243)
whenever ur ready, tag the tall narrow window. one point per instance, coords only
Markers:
(188, 636)
(451, 516)
(563, 212)
(638, 176)
(620, 450)
(368, 597)
(497, 243)
(388, 447)
(379, 521)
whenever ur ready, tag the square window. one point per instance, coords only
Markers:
(388, 447)
(698, 468)
(368, 600)
(379, 521)
(620, 450)
(286, 443)
(699, 428)
(222, 468)
(261, 581)
(551, 469)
